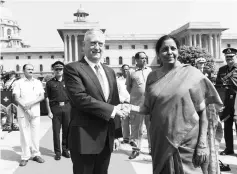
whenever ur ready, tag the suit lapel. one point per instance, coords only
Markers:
(86, 67)
(110, 80)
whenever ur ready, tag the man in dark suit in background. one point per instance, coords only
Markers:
(95, 115)
(227, 77)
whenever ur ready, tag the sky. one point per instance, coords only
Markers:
(40, 19)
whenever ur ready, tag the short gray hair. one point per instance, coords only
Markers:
(93, 32)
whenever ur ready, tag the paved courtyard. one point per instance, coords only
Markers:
(10, 157)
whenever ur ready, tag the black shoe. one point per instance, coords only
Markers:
(66, 154)
(38, 159)
(57, 157)
(132, 143)
(225, 152)
(224, 167)
(134, 154)
(125, 141)
(23, 163)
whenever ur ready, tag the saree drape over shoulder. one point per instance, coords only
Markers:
(173, 102)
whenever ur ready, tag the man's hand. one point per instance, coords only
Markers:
(116, 145)
(50, 115)
(126, 107)
(121, 112)
(27, 106)
(29, 112)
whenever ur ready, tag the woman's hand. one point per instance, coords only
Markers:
(201, 153)
(200, 156)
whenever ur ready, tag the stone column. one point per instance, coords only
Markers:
(210, 44)
(80, 45)
(206, 42)
(195, 40)
(76, 47)
(200, 40)
(65, 49)
(181, 41)
(219, 38)
(190, 40)
(186, 40)
(70, 48)
(216, 47)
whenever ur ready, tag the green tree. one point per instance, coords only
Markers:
(189, 54)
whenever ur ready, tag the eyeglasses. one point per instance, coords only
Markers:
(58, 69)
(101, 44)
(142, 58)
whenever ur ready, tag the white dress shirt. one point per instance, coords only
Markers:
(102, 72)
(124, 96)
(106, 82)
(28, 91)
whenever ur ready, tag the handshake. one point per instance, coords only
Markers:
(123, 110)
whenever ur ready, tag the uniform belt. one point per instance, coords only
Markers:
(58, 103)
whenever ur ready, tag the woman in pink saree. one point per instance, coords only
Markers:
(177, 96)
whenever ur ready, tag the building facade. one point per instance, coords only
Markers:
(120, 49)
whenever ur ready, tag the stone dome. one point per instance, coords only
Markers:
(5, 13)
(81, 11)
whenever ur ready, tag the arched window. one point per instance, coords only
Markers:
(17, 68)
(3, 31)
(9, 32)
(41, 67)
(120, 60)
(147, 60)
(107, 61)
(133, 60)
(1, 69)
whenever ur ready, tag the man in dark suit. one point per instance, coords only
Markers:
(95, 114)
(227, 77)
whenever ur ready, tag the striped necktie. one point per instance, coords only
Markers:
(101, 80)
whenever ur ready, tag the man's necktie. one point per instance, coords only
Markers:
(101, 80)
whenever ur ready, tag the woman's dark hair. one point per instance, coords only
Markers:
(125, 65)
(24, 66)
(162, 39)
(138, 54)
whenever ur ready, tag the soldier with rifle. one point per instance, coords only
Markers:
(227, 78)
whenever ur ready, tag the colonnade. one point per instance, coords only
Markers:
(209, 41)
(72, 47)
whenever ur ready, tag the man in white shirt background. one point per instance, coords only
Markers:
(124, 97)
(29, 93)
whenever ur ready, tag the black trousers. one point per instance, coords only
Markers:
(61, 117)
(228, 134)
(91, 163)
(228, 124)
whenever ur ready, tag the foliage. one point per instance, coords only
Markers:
(189, 54)
(48, 77)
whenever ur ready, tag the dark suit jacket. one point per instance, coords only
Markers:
(91, 120)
